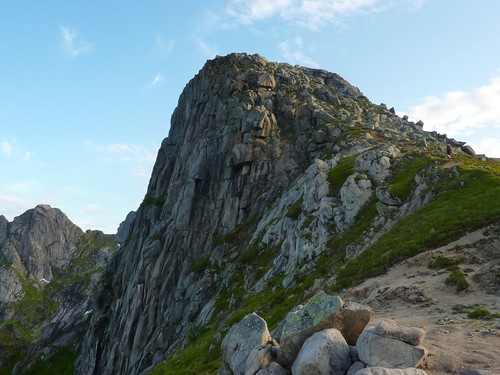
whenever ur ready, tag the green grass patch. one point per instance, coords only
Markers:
(465, 204)
(239, 234)
(151, 200)
(482, 314)
(403, 180)
(295, 209)
(202, 264)
(457, 279)
(62, 363)
(203, 354)
(355, 232)
(442, 262)
(10, 348)
(338, 175)
(196, 358)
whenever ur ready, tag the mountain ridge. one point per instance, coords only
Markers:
(275, 181)
(235, 173)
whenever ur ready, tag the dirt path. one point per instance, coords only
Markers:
(414, 295)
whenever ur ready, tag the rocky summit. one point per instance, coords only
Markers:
(277, 182)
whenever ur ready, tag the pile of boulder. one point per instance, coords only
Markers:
(323, 336)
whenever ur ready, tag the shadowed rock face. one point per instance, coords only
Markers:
(242, 144)
(33, 244)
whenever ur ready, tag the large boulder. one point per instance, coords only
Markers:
(376, 350)
(249, 334)
(325, 352)
(316, 315)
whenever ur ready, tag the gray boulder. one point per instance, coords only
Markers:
(273, 369)
(390, 371)
(249, 334)
(376, 350)
(355, 367)
(316, 315)
(325, 352)
(468, 150)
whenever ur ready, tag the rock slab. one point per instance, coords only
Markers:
(325, 352)
(376, 350)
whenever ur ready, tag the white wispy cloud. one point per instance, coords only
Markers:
(206, 48)
(292, 51)
(137, 158)
(464, 113)
(311, 14)
(7, 148)
(73, 43)
(11, 148)
(165, 46)
(156, 81)
(92, 209)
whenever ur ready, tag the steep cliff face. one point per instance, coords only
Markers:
(32, 245)
(262, 160)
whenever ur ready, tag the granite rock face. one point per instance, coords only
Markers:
(246, 165)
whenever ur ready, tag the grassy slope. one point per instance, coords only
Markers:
(463, 204)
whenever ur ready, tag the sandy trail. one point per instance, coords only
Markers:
(414, 295)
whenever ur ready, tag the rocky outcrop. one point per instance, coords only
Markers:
(33, 245)
(124, 227)
(319, 348)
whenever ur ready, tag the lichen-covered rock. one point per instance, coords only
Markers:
(242, 339)
(316, 315)
(325, 352)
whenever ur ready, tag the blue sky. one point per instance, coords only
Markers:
(88, 87)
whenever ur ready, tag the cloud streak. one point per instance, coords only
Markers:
(310, 14)
(157, 80)
(137, 158)
(73, 43)
(164, 46)
(7, 148)
(292, 50)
